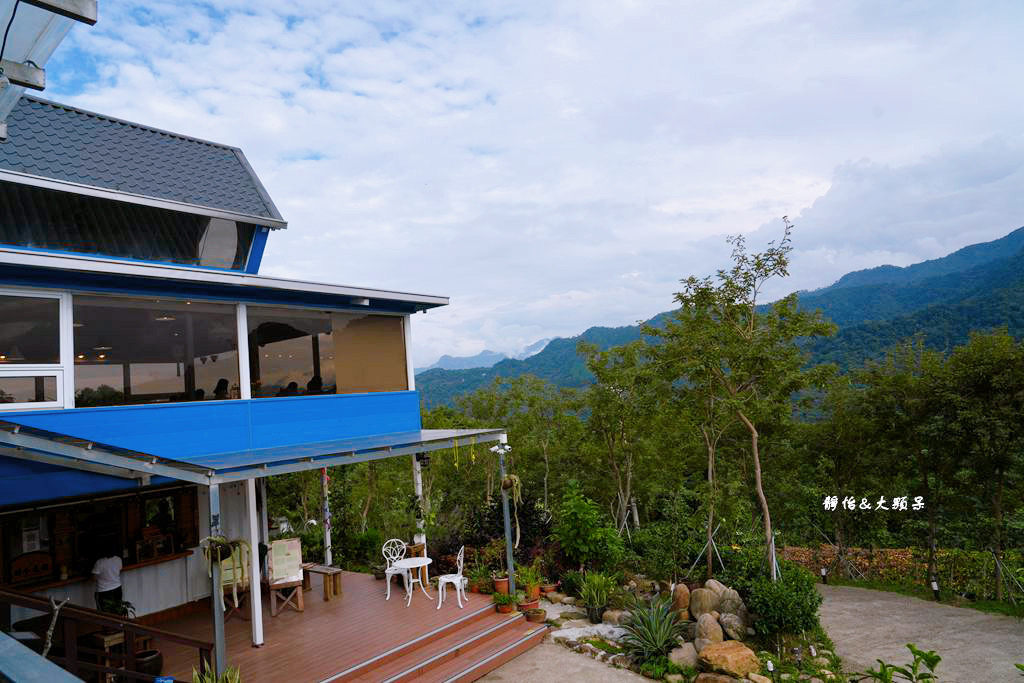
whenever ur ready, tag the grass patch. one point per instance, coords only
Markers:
(916, 591)
(601, 644)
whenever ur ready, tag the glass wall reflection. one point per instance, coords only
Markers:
(131, 351)
(298, 352)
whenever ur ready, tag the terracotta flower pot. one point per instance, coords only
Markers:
(505, 609)
(529, 604)
(548, 588)
(533, 592)
(501, 586)
(537, 616)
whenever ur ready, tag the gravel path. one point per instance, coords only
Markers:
(550, 663)
(866, 625)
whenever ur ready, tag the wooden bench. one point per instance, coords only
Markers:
(307, 583)
(332, 579)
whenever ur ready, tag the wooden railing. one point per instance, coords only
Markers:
(74, 621)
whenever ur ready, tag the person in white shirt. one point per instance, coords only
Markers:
(107, 571)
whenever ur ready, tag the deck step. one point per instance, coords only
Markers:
(464, 651)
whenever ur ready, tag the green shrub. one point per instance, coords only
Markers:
(585, 538)
(652, 631)
(787, 606)
(505, 599)
(886, 672)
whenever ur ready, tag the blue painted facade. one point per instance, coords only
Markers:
(185, 430)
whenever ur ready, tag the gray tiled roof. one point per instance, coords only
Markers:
(63, 143)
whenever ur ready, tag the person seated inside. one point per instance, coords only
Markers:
(107, 571)
(220, 392)
(291, 390)
(315, 385)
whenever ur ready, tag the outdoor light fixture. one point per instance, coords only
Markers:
(423, 459)
(500, 449)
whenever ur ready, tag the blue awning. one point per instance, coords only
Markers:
(39, 445)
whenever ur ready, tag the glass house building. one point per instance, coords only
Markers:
(150, 378)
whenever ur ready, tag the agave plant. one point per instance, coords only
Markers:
(653, 629)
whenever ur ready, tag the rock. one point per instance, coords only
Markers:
(700, 643)
(555, 598)
(691, 631)
(613, 616)
(713, 678)
(732, 626)
(709, 628)
(731, 657)
(684, 655)
(570, 616)
(717, 586)
(568, 600)
(715, 613)
(829, 676)
(821, 662)
(758, 678)
(751, 631)
(681, 597)
(702, 601)
(730, 602)
(675, 678)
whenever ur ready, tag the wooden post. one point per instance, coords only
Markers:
(255, 588)
(220, 647)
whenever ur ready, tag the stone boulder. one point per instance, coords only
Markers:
(568, 600)
(758, 678)
(614, 616)
(708, 628)
(702, 601)
(713, 678)
(691, 631)
(681, 598)
(717, 586)
(555, 598)
(684, 655)
(732, 626)
(700, 643)
(730, 602)
(730, 657)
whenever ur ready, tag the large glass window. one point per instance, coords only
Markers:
(48, 219)
(29, 330)
(153, 351)
(296, 352)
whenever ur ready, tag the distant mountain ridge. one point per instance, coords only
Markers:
(978, 287)
(484, 359)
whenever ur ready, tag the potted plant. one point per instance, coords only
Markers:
(537, 615)
(501, 584)
(597, 589)
(530, 580)
(378, 572)
(504, 603)
(524, 602)
(479, 576)
(547, 586)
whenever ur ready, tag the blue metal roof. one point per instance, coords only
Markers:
(64, 143)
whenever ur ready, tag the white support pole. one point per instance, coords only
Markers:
(510, 564)
(220, 655)
(255, 589)
(417, 482)
(244, 381)
(410, 371)
(325, 517)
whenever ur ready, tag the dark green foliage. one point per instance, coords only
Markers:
(787, 606)
(572, 583)
(365, 548)
(657, 668)
(653, 630)
(597, 589)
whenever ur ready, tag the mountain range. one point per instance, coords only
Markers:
(978, 287)
(484, 359)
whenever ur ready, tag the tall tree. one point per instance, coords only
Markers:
(720, 345)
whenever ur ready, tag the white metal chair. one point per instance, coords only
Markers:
(393, 550)
(456, 580)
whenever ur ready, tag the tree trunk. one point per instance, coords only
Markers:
(711, 499)
(997, 510)
(371, 481)
(769, 539)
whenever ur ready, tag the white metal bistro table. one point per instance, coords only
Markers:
(409, 564)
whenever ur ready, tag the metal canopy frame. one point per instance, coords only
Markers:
(51, 448)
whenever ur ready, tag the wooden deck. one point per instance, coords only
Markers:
(363, 637)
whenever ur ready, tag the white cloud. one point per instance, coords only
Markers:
(552, 166)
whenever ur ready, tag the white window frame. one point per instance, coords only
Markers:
(63, 370)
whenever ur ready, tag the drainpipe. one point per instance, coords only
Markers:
(501, 450)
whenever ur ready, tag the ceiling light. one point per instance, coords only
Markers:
(102, 356)
(80, 356)
(102, 347)
(165, 318)
(77, 324)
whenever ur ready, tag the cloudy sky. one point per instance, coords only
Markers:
(552, 165)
